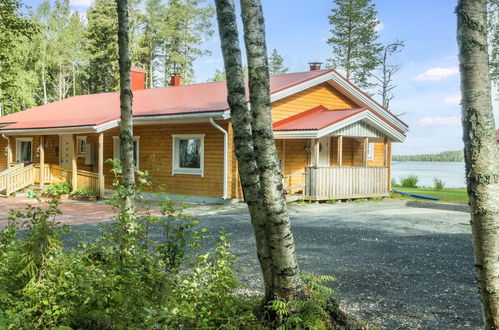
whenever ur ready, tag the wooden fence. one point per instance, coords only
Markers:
(323, 183)
(6, 172)
(20, 179)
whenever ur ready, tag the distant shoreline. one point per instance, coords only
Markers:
(427, 161)
(456, 156)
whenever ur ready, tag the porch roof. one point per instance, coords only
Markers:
(320, 121)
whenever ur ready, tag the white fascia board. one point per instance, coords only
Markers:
(50, 131)
(370, 118)
(335, 80)
(224, 114)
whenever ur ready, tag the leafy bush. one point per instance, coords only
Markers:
(57, 189)
(438, 184)
(394, 183)
(410, 181)
(84, 192)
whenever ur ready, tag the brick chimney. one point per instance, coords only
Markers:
(138, 77)
(175, 79)
(315, 66)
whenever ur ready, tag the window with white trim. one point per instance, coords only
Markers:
(81, 142)
(136, 154)
(370, 151)
(24, 150)
(188, 154)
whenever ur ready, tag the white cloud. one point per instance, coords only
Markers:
(440, 121)
(380, 26)
(437, 74)
(453, 99)
(81, 3)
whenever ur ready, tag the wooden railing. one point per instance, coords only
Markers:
(20, 179)
(88, 180)
(324, 183)
(294, 183)
(4, 173)
(55, 173)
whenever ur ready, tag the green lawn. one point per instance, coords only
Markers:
(459, 196)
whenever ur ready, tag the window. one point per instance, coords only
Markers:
(24, 150)
(370, 151)
(81, 142)
(136, 154)
(188, 154)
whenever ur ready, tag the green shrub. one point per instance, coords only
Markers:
(394, 183)
(438, 184)
(84, 192)
(57, 189)
(410, 181)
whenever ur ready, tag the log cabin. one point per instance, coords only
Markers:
(334, 141)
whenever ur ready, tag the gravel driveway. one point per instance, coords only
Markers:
(396, 266)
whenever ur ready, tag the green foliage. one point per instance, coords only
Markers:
(57, 189)
(122, 279)
(309, 313)
(84, 192)
(438, 184)
(446, 156)
(493, 36)
(410, 181)
(276, 63)
(354, 39)
(394, 183)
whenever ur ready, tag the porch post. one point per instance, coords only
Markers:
(340, 151)
(101, 165)
(42, 161)
(317, 151)
(74, 166)
(366, 150)
(9, 152)
(385, 153)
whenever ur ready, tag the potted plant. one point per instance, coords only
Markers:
(84, 194)
(59, 190)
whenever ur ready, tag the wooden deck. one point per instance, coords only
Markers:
(324, 183)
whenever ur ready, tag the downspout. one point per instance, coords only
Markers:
(226, 158)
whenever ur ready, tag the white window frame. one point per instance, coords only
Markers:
(176, 169)
(370, 151)
(116, 150)
(18, 148)
(79, 141)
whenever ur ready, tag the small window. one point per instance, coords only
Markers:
(24, 150)
(188, 154)
(81, 142)
(370, 151)
(117, 153)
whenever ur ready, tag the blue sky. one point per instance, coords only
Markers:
(427, 93)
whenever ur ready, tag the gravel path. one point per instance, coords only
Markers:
(396, 266)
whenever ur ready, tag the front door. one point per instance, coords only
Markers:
(321, 152)
(66, 150)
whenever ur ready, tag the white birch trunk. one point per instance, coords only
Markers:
(482, 161)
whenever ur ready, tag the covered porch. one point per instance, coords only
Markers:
(45, 159)
(344, 154)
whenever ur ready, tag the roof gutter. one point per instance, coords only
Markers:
(226, 156)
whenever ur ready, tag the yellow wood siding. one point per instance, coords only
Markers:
(323, 94)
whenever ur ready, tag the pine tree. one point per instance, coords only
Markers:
(16, 81)
(102, 46)
(480, 152)
(276, 65)
(354, 40)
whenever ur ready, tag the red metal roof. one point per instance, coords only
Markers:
(96, 109)
(315, 119)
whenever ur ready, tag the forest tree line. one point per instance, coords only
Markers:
(446, 156)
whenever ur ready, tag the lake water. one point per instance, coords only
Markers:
(451, 173)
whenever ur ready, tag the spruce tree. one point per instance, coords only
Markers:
(276, 63)
(354, 40)
(102, 46)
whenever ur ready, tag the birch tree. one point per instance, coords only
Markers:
(481, 157)
(388, 70)
(126, 128)
(255, 148)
